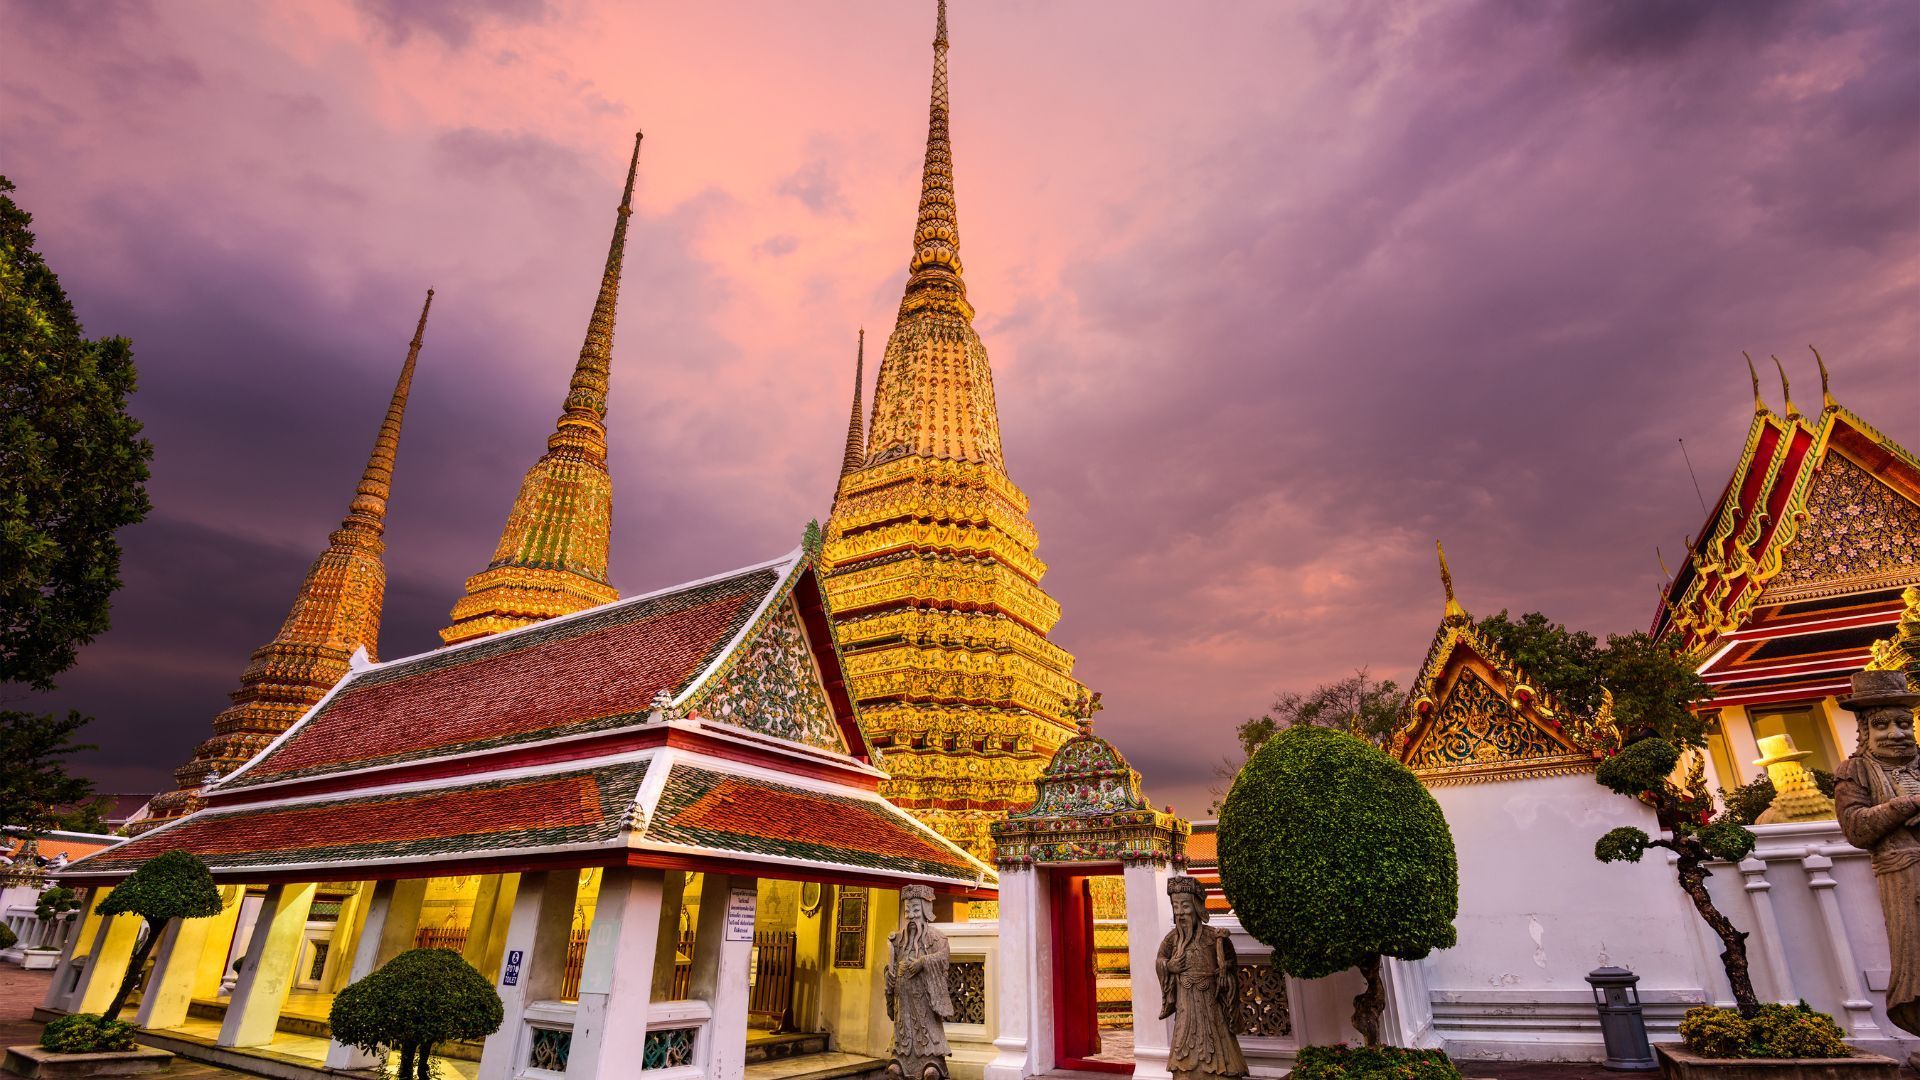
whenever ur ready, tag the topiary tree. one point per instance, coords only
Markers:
(55, 903)
(171, 885)
(416, 1001)
(1335, 855)
(1643, 770)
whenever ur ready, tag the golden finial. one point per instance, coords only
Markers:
(1786, 391)
(1696, 786)
(856, 454)
(1759, 403)
(1826, 391)
(586, 407)
(369, 508)
(1666, 573)
(935, 267)
(1454, 611)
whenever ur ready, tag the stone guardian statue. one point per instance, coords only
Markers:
(1199, 988)
(918, 998)
(1878, 801)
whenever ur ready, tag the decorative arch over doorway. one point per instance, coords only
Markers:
(1088, 818)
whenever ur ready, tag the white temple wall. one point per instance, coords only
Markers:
(1538, 911)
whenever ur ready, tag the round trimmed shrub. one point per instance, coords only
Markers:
(8, 939)
(1642, 766)
(171, 885)
(1334, 855)
(86, 1033)
(417, 1000)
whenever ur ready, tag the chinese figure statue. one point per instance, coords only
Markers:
(918, 999)
(1878, 801)
(1199, 989)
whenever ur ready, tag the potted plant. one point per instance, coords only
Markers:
(55, 905)
(416, 1001)
(1334, 855)
(84, 1045)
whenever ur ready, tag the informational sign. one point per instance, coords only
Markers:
(511, 976)
(740, 911)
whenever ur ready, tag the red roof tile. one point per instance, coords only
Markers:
(593, 672)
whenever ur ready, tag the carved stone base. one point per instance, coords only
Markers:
(917, 1069)
(1677, 1063)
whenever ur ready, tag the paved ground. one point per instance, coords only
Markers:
(21, 991)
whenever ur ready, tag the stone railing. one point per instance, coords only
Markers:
(675, 1047)
(1811, 908)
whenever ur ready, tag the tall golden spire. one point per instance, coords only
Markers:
(856, 439)
(931, 573)
(336, 613)
(552, 556)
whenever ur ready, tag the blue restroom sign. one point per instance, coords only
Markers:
(511, 976)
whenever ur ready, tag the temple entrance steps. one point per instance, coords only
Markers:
(766, 1046)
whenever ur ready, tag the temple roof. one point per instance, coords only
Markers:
(1816, 509)
(1471, 715)
(702, 726)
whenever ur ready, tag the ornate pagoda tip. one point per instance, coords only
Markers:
(940, 25)
(856, 450)
(1826, 391)
(1081, 709)
(1454, 610)
(633, 170)
(1759, 403)
(1786, 391)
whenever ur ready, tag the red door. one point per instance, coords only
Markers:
(1076, 1019)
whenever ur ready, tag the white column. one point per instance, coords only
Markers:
(1024, 979)
(63, 968)
(393, 911)
(1859, 1006)
(722, 951)
(1766, 930)
(107, 963)
(267, 976)
(1149, 920)
(212, 969)
(538, 930)
(176, 967)
(244, 922)
(672, 899)
(610, 1024)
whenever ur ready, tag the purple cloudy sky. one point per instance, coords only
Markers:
(1275, 295)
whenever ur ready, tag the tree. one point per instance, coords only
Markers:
(35, 782)
(75, 464)
(1654, 691)
(75, 470)
(416, 1001)
(1335, 855)
(1357, 705)
(171, 885)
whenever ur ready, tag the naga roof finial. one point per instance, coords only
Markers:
(1454, 611)
(1826, 391)
(1759, 403)
(1786, 391)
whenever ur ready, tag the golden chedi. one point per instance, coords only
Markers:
(1796, 794)
(552, 556)
(933, 580)
(336, 613)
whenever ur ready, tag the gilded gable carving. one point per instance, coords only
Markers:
(774, 689)
(1856, 526)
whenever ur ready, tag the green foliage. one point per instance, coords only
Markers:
(1775, 1031)
(1640, 768)
(1652, 684)
(1565, 662)
(171, 885)
(1747, 802)
(1716, 1033)
(75, 464)
(1624, 844)
(55, 902)
(85, 1033)
(1357, 705)
(417, 1000)
(1333, 853)
(35, 781)
(1797, 1031)
(1372, 1063)
(1727, 840)
(8, 939)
